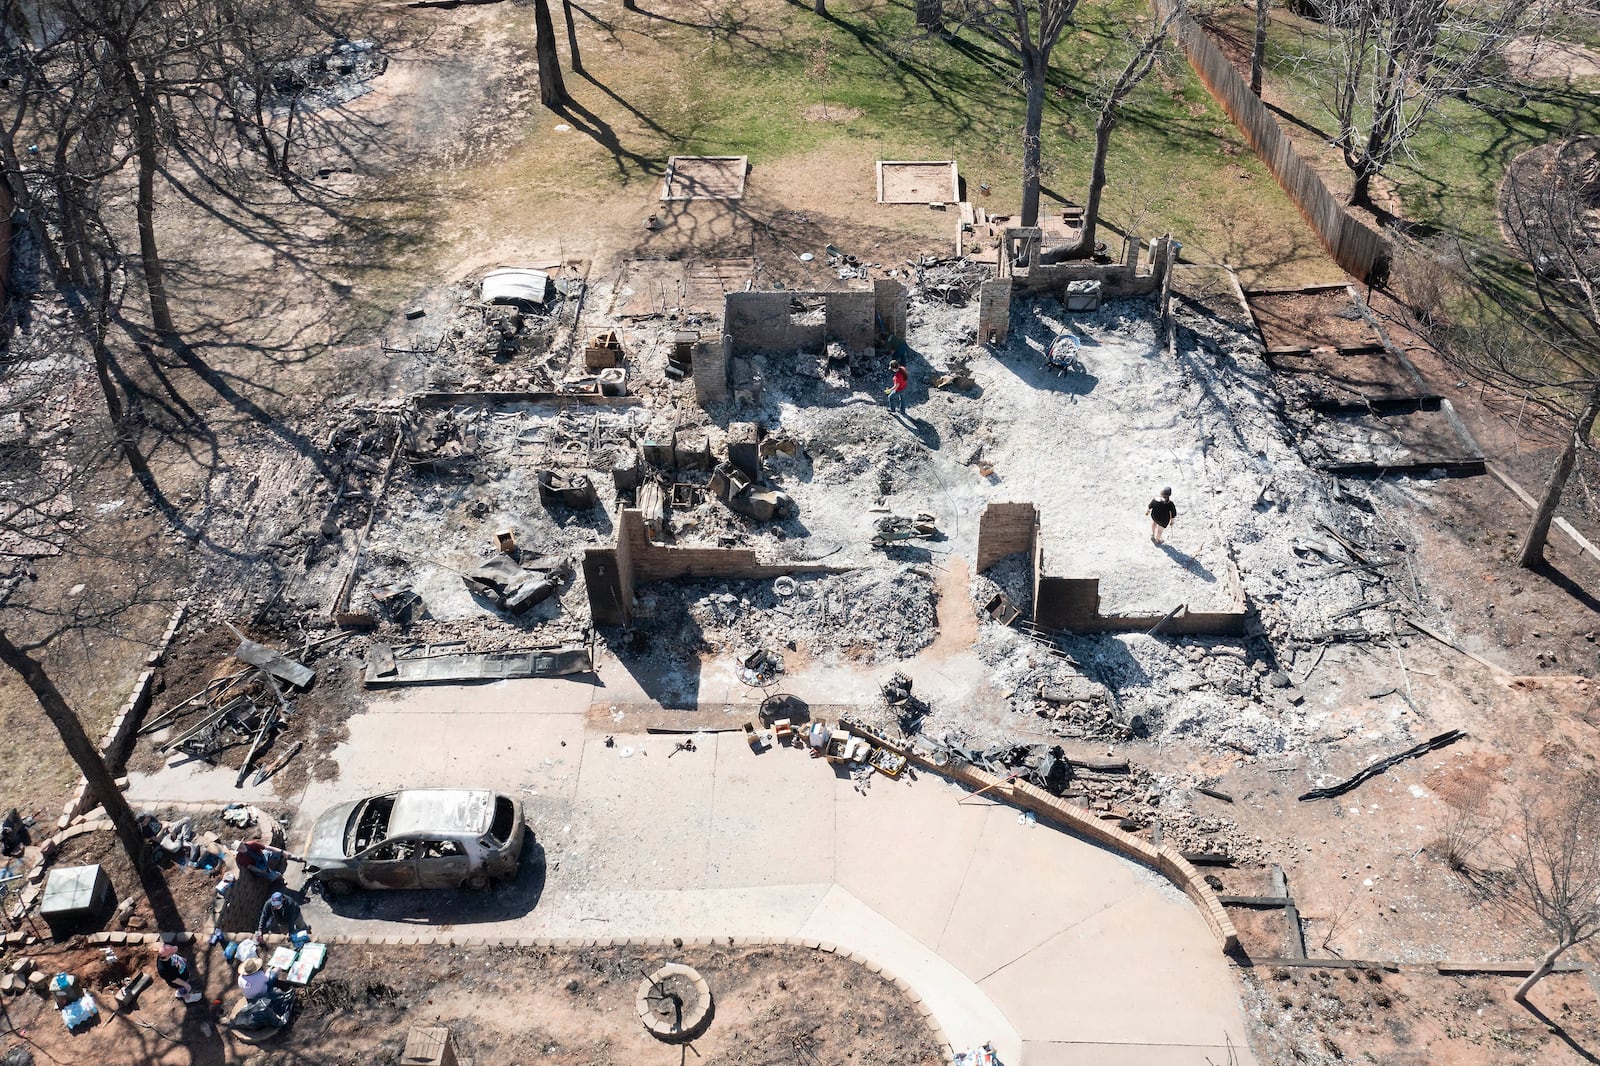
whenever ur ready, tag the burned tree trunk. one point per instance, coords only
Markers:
(148, 162)
(1258, 54)
(102, 785)
(552, 90)
(1138, 67)
(1533, 544)
(1097, 184)
(1035, 68)
(572, 37)
(1539, 973)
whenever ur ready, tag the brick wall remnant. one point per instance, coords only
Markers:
(709, 368)
(994, 310)
(1067, 603)
(637, 560)
(1019, 250)
(1072, 605)
(769, 322)
(890, 300)
(1005, 529)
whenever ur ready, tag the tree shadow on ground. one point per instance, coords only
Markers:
(1561, 1034)
(640, 650)
(1562, 581)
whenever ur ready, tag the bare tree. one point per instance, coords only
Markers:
(51, 94)
(930, 14)
(572, 37)
(1386, 65)
(120, 81)
(1258, 51)
(552, 89)
(1547, 353)
(1029, 30)
(1144, 58)
(1551, 878)
(102, 785)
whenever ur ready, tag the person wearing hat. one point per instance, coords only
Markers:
(174, 969)
(279, 914)
(255, 978)
(1163, 512)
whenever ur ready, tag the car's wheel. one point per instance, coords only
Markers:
(337, 887)
(477, 882)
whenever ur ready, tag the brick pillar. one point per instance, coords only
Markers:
(994, 311)
(711, 358)
(890, 299)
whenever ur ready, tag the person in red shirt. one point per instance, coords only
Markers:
(263, 860)
(897, 388)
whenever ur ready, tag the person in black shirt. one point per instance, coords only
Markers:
(175, 971)
(280, 913)
(1162, 512)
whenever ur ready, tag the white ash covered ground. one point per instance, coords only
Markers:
(1090, 450)
(1277, 515)
(440, 517)
(866, 616)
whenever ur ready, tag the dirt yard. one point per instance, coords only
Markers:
(1327, 319)
(1418, 1018)
(503, 1006)
(193, 889)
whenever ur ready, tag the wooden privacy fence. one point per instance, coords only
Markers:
(1356, 247)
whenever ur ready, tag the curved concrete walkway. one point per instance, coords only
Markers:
(1057, 951)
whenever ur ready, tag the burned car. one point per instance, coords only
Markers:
(417, 838)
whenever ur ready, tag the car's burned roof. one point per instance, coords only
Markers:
(441, 810)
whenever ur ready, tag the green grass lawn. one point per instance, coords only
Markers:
(1449, 179)
(737, 77)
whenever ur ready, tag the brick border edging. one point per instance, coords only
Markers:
(1164, 860)
(127, 721)
(559, 943)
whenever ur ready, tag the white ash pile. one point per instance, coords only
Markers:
(1120, 686)
(472, 345)
(1011, 577)
(871, 615)
(1302, 540)
(1046, 684)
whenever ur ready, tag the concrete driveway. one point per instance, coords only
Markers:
(1058, 951)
